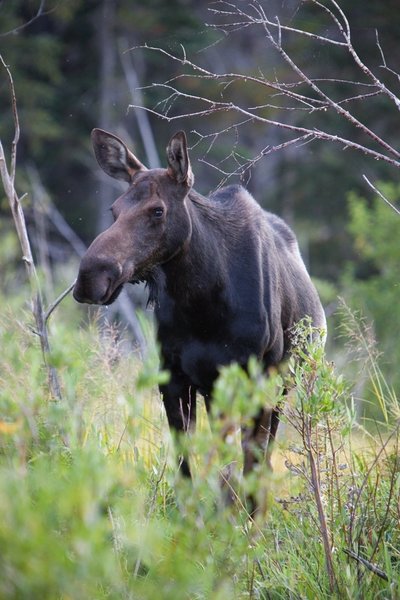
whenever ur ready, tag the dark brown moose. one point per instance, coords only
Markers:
(226, 278)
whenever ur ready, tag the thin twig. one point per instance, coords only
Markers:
(202, 73)
(38, 14)
(371, 566)
(229, 106)
(251, 21)
(149, 514)
(337, 107)
(318, 501)
(371, 185)
(393, 479)
(365, 481)
(56, 302)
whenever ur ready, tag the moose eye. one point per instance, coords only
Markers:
(158, 212)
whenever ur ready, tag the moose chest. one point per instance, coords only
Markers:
(197, 340)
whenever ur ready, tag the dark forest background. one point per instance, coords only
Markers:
(73, 71)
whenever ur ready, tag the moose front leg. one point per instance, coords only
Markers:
(179, 399)
(257, 441)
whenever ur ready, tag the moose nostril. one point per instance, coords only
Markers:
(109, 268)
(104, 268)
(96, 280)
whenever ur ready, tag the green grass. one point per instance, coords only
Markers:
(92, 505)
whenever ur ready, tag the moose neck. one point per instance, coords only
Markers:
(196, 271)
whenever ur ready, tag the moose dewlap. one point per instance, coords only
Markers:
(226, 277)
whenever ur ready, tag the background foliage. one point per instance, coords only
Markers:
(70, 76)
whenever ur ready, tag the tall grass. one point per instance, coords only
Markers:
(93, 507)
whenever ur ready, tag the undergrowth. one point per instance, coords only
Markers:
(93, 507)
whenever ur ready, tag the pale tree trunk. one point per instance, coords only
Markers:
(41, 316)
(109, 189)
(107, 53)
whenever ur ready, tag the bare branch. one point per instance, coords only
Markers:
(39, 13)
(229, 106)
(315, 99)
(370, 566)
(361, 64)
(20, 225)
(384, 64)
(228, 78)
(337, 107)
(16, 122)
(251, 21)
(249, 163)
(392, 206)
(56, 302)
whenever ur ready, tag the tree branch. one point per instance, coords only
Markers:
(316, 96)
(39, 13)
(7, 178)
(370, 566)
(392, 206)
(215, 107)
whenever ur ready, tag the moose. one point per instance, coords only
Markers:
(226, 279)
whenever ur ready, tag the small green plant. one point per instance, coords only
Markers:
(329, 511)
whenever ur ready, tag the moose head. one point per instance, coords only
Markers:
(151, 220)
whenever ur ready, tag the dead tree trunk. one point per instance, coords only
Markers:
(40, 315)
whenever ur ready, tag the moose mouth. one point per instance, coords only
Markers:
(114, 295)
(89, 295)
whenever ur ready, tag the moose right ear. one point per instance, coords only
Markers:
(114, 157)
(178, 159)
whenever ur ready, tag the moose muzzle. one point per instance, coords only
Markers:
(99, 280)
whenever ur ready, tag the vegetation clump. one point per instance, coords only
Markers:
(93, 505)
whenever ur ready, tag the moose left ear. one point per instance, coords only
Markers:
(114, 157)
(178, 159)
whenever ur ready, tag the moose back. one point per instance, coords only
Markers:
(226, 278)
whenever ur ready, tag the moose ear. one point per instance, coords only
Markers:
(178, 159)
(114, 157)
